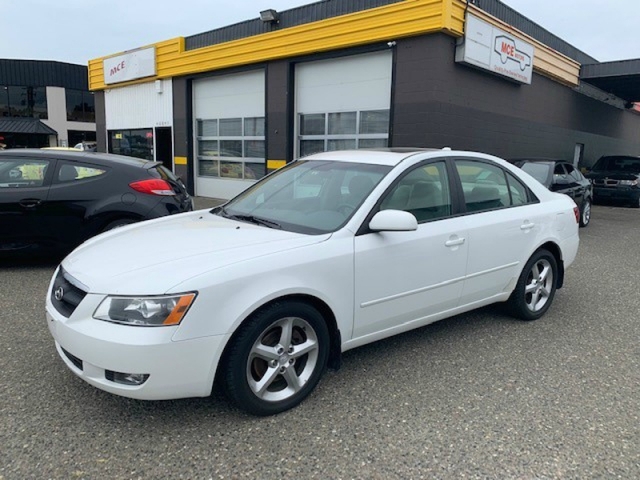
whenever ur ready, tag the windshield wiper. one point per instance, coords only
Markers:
(251, 219)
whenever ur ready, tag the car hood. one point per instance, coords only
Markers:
(612, 174)
(151, 257)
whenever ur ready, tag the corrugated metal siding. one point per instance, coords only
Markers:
(36, 73)
(289, 18)
(522, 23)
(25, 125)
(139, 106)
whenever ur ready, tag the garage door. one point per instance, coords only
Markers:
(229, 130)
(343, 103)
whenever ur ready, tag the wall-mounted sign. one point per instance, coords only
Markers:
(490, 48)
(130, 66)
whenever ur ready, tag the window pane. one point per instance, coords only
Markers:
(374, 121)
(484, 186)
(346, 144)
(231, 169)
(342, 123)
(254, 149)
(74, 104)
(231, 148)
(518, 191)
(424, 192)
(372, 143)
(312, 124)
(89, 107)
(254, 170)
(207, 128)
(22, 173)
(230, 127)
(208, 148)
(254, 127)
(141, 142)
(40, 102)
(208, 168)
(307, 147)
(18, 102)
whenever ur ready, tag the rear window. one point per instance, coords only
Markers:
(538, 170)
(618, 164)
(163, 173)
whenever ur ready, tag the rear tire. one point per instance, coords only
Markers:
(276, 358)
(585, 213)
(536, 287)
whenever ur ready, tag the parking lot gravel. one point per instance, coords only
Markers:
(477, 396)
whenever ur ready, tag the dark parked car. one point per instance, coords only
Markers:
(617, 178)
(562, 177)
(58, 199)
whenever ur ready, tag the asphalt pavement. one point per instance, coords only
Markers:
(477, 396)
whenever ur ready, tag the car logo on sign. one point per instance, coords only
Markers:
(59, 293)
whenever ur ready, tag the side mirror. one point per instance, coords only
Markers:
(393, 221)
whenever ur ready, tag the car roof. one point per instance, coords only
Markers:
(376, 156)
(536, 159)
(76, 156)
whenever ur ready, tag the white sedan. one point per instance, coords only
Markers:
(331, 252)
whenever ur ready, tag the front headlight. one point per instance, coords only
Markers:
(629, 183)
(155, 311)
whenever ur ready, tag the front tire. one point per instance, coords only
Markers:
(276, 358)
(536, 287)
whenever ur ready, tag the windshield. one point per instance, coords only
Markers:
(306, 196)
(541, 171)
(618, 164)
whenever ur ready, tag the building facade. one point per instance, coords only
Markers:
(45, 103)
(225, 107)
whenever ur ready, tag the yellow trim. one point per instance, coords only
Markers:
(546, 60)
(386, 23)
(275, 164)
(179, 160)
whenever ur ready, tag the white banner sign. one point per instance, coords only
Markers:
(490, 48)
(130, 66)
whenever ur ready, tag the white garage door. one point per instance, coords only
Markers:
(343, 103)
(229, 130)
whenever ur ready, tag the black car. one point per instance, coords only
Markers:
(616, 178)
(562, 177)
(58, 199)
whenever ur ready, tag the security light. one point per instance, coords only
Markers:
(269, 16)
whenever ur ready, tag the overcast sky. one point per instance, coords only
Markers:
(76, 31)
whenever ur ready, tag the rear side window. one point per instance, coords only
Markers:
(72, 173)
(21, 173)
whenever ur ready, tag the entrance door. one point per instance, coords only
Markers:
(164, 147)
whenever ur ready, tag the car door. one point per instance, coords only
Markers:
(406, 278)
(578, 188)
(24, 188)
(502, 222)
(76, 190)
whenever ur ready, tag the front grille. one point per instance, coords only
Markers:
(607, 182)
(75, 360)
(65, 295)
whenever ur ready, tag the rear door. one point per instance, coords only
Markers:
(24, 188)
(502, 220)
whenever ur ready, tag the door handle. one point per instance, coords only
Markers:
(526, 226)
(454, 242)
(30, 202)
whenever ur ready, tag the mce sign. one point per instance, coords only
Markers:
(130, 66)
(490, 48)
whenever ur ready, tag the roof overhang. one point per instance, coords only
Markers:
(25, 125)
(621, 78)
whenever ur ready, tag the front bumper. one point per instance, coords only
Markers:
(93, 348)
(618, 194)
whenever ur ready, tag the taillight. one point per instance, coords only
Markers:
(153, 186)
(576, 212)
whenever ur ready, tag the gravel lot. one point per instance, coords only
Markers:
(476, 396)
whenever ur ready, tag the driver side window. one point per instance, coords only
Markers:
(423, 192)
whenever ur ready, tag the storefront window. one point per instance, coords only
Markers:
(320, 132)
(132, 143)
(80, 106)
(231, 148)
(23, 102)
